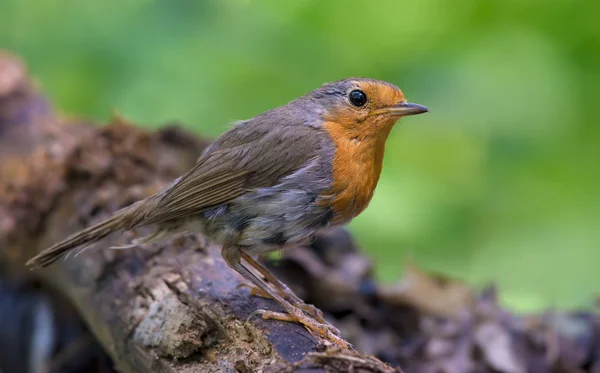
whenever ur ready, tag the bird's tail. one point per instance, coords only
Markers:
(126, 218)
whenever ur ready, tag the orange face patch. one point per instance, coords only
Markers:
(381, 94)
(359, 140)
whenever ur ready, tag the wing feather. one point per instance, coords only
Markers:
(248, 156)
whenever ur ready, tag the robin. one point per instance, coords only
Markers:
(271, 182)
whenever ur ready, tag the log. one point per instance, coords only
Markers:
(173, 306)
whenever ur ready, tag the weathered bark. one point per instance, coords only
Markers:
(173, 306)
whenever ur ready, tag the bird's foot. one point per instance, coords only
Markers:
(324, 330)
(311, 310)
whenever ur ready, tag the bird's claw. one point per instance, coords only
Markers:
(313, 311)
(293, 299)
(323, 330)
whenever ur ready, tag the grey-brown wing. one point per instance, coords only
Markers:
(223, 172)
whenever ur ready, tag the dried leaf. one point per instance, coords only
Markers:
(432, 294)
(497, 347)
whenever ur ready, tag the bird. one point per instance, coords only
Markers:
(272, 182)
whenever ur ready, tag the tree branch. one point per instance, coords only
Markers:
(176, 306)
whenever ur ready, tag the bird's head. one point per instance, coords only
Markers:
(363, 107)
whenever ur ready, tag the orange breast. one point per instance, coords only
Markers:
(356, 168)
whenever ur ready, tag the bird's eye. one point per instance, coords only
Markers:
(357, 97)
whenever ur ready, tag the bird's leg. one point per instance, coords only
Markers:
(233, 255)
(283, 289)
(254, 291)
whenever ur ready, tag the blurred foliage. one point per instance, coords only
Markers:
(500, 182)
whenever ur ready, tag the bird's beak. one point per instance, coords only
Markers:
(403, 109)
(407, 108)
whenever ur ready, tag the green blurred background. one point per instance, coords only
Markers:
(498, 183)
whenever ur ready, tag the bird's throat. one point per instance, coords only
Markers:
(356, 168)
